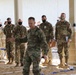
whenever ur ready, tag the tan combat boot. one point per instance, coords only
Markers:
(61, 63)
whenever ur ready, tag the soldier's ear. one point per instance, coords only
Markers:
(34, 22)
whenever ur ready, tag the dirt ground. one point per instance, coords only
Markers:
(50, 70)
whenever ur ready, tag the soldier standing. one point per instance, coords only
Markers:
(8, 31)
(47, 28)
(19, 32)
(36, 40)
(63, 37)
(2, 41)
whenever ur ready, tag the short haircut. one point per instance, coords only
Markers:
(43, 16)
(8, 18)
(31, 18)
(63, 13)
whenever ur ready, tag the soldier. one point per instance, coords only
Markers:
(8, 31)
(63, 37)
(36, 40)
(2, 41)
(19, 32)
(47, 28)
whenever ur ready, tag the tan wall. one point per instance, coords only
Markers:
(72, 50)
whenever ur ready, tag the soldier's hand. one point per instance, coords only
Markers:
(69, 40)
(45, 57)
(52, 44)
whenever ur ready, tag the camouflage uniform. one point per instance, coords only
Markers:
(2, 38)
(8, 31)
(36, 40)
(19, 32)
(48, 31)
(2, 42)
(63, 34)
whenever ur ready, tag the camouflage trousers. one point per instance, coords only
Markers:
(49, 55)
(61, 46)
(31, 58)
(19, 52)
(10, 50)
(2, 45)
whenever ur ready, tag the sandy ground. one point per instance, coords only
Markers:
(51, 70)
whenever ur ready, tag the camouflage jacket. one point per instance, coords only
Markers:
(48, 30)
(8, 30)
(62, 30)
(36, 40)
(19, 31)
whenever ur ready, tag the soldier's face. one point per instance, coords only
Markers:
(44, 19)
(63, 16)
(9, 21)
(20, 22)
(31, 23)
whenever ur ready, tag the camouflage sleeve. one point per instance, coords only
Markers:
(56, 32)
(40, 26)
(4, 30)
(14, 31)
(43, 42)
(51, 32)
(25, 30)
(21, 40)
(69, 31)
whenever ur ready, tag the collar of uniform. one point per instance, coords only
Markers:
(9, 24)
(45, 22)
(63, 21)
(34, 29)
(19, 25)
